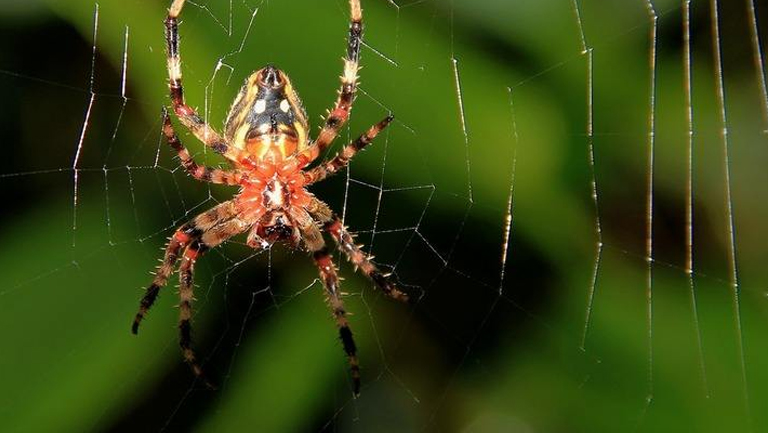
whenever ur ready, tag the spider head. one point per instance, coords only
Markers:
(267, 118)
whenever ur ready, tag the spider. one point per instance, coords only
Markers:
(265, 141)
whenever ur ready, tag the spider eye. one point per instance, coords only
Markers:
(270, 76)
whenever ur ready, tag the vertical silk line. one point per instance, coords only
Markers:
(83, 130)
(731, 235)
(587, 51)
(687, 66)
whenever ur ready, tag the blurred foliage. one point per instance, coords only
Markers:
(471, 353)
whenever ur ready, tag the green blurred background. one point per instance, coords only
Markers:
(528, 345)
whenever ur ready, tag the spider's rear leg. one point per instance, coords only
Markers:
(313, 240)
(330, 279)
(184, 236)
(179, 240)
(358, 258)
(186, 296)
(211, 238)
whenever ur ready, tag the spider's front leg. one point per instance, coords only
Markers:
(199, 172)
(187, 115)
(340, 113)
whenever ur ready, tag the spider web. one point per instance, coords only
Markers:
(571, 192)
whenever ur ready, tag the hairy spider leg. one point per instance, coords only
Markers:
(346, 242)
(338, 116)
(187, 115)
(186, 296)
(324, 262)
(361, 261)
(199, 172)
(340, 160)
(211, 238)
(184, 236)
(312, 238)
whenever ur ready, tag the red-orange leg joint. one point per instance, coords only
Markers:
(334, 228)
(183, 110)
(181, 237)
(341, 113)
(191, 253)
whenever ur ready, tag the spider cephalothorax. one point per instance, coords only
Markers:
(266, 142)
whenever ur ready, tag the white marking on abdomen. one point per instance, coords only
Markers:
(260, 106)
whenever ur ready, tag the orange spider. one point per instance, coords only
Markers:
(266, 142)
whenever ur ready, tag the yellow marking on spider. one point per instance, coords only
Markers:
(240, 134)
(250, 93)
(295, 102)
(356, 11)
(350, 71)
(302, 133)
(174, 68)
(175, 8)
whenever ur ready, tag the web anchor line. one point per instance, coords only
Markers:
(587, 50)
(509, 217)
(649, 170)
(84, 128)
(730, 225)
(759, 61)
(460, 98)
(689, 264)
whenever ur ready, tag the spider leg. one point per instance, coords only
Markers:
(184, 236)
(187, 115)
(361, 261)
(341, 159)
(324, 263)
(313, 239)
(186, 296)
(211, 238)
(199, 172)
(340, 113)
